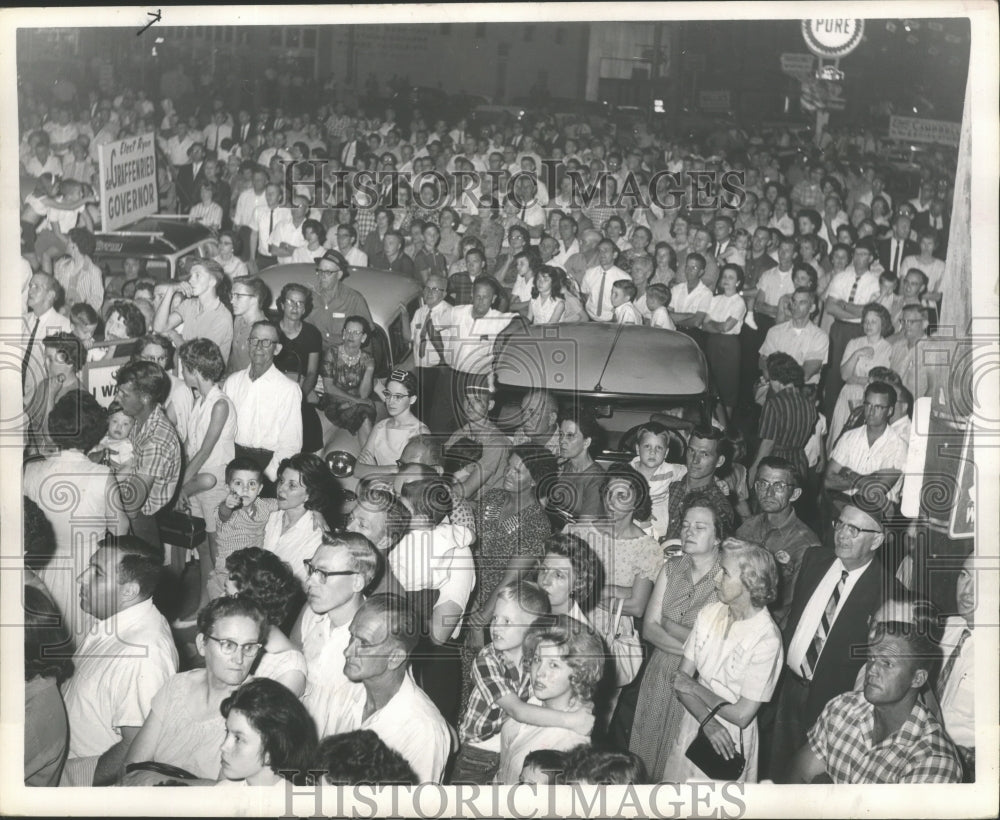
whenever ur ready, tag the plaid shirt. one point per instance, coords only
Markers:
(919, 752)
(157, 455)
(364, 222)
(492, 678)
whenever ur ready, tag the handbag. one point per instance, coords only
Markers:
(623, 646)
(180, 529)
(703, 754)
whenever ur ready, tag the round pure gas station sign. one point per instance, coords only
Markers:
(832, 37)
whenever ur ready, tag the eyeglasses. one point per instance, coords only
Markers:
(267, 344)
(236, 295)
(771, 486)
(322, 573)
(352, 334)
(228, 647)
(429, 289)
(295, 302)
(396, 396)
(851, 530)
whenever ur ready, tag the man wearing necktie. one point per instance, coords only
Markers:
(597, 283)
(898, 246)
(427, 329)
(45, 298)
(827, 630)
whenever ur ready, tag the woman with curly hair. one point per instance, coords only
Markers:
(567, 661)
(306, 494)
(735, 651)
(570, 573)
(269, 582)
(871, 349)
(124, 320)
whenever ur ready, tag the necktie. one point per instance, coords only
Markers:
(428, 332)
(27, 353)
(823, 631)
(949, 664)
(600, 293)
(895, 258)
(854, 290)
(270, 227)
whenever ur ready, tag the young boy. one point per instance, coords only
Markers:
(658, 300)
(622, 293)
(652, 445)
(544, 767)
(242, 516)
(500, 685)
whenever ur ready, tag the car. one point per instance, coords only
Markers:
(161, 242)
(625, 374)
(392, 300)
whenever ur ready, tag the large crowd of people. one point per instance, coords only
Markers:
(478, 604)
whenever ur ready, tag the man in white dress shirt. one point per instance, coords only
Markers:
(568, 244)
(246, 206)
(804, 341)
(383, 635)
(690, 299)
(599, 280)
(268, 406)
(45, 297)
(342, 566)
(955, 687)
(428, 328)
(120, 665)
(347, 244)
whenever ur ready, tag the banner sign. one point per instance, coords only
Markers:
(128, 181)
(917, 129)
(99, 378)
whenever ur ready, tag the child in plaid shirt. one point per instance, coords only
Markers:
(242, 517)
(500, 685)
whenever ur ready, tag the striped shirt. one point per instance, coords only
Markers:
(245, 528)
(788, 420)
(493, 677)
(919, 752)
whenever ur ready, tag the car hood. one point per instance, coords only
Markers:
(644, 361)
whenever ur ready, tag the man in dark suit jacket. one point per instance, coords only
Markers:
(897, 246)
(190, 177)
(934, 220)
(854, 578)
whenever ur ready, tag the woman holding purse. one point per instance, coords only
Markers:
(732, 660)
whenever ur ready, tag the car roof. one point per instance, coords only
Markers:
(152, 235)
(383, 291)
(644, 362)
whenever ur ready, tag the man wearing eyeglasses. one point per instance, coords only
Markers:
(343, 566)
(827, 627)
(778, 529)
(268, 406)
(431, 322)
(333, 301)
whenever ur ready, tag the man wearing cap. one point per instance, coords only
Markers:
(849, 292)
(827, 628)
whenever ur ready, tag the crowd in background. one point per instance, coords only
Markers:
(485, 605)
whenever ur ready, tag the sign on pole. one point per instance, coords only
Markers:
(833, 37)
(917, 129)
(714, 100)
(128, 180)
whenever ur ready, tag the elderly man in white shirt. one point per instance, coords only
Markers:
(383, 635)
(45, 297)
(122, 663)
(268, 405)
(431, 323)
(599, 280)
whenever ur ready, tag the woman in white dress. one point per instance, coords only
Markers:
(210, 445)
(732, 660)
(873, 349)
(388, 437)
(81, 500)
(269, 734)
(305, 492)
(547, 303)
